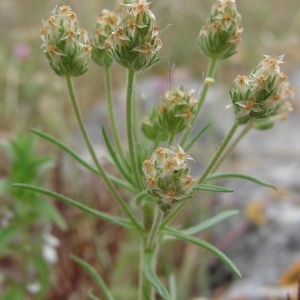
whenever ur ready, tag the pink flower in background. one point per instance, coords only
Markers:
(21, 51)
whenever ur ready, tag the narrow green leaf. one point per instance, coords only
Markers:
(93, 273)
(84, 208)
(173, 289)
(113, 155)
(80, 160)
(205, 245)
(240, 176)
(195, 138)
(151, 276)
(210, 222)
(92, 296)
(140, 197)
(211, 188)
(6, 234)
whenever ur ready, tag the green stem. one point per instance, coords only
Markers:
(218, 153)
(131, 135)
(171, 138)
(93, 154)
(151, 242)
(230, 149)
(206, 172)
(111, 113)
(210, 72)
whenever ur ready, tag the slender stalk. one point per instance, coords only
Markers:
(171, 138)
(111, 113)
(141, 275)
(155, 229)
(131, 135)
(232, 146)
(206, 172)
(218, 153)
(84, 133)
(210, 72)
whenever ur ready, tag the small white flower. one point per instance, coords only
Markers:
(34, 287)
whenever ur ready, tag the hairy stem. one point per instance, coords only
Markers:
(151, 242)
(210, 72)
(232, 146)
(103, 174)
(131, 135)
(111, 114)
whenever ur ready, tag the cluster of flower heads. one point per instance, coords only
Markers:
(65, 45)
(134, 44)
(221, 34)
(263, 93)
(176, 110)
(167, 176)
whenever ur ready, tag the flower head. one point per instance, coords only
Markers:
(221, 34)
(65, 45)
(261, 94)
(135, 42)
(167, 176)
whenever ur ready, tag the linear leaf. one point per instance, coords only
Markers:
(82, 207)
(210, 222)
(140, 197)
(211, 188)
(79, 159)
(114, 156)
(94, 274)
(205, 245)
(151, 276)
(240, 176)
(195, 138)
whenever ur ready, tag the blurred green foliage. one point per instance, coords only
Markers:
(25, 221)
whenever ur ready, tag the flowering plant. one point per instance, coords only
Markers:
(158, 177)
